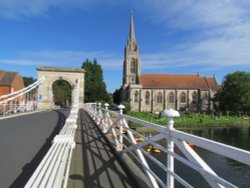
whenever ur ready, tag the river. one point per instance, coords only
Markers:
(230, 170)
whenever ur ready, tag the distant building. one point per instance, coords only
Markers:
(10, 82)
(155, 92)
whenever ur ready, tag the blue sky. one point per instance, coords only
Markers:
(181, 36)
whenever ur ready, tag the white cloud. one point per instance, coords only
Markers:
(27, 8)
(217, 33)
(63, 59)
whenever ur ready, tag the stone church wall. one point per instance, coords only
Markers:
(194, 100)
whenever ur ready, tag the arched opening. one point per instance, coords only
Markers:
(183, 98)
(194, 97)
(147, 98)
(171, 97)
(62, 92)
(159, 98)
(136, 97)
(133, 66)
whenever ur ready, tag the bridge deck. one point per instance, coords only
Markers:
(93, 162)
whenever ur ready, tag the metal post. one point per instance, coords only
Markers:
(170, 159)
(105, 127)
(99, 114)
(11, 106)
(120, 146)
(15, 106)
(4, 107)
(95, 111)
(170, 113)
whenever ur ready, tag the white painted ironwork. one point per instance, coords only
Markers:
(24, 100)
(114, 124)
(171, 114)
(53, 171)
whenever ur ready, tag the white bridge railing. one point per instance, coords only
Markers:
(53, 171)
(115, 124)
(24, 100)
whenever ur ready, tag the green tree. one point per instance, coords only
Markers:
(235, 92)
(117, 96)
(95, 88)
(28, 80)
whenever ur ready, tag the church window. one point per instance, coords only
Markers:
(194, 97)
(205, 95)
(147, 98)
(171, 97)
(183, 97)
(136, 96)
(159, 98)
(133, 66)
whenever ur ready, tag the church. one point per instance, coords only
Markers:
(155, 92)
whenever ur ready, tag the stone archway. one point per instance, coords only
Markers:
(52, 74)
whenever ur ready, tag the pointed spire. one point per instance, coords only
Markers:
(132, 30)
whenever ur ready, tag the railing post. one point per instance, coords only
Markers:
(99, 113)
(120, 146)
(95, 111)
(105, 127)
(170, 113)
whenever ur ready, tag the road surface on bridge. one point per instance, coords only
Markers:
(24, 140)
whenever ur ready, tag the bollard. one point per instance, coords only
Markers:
(170, 113)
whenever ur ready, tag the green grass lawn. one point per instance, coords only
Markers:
(188, 120)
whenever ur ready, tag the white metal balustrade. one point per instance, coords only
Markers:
(53, 171)
(109, 121)
(24, 100)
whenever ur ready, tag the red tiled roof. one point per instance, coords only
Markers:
(6, 78)
(177, 81)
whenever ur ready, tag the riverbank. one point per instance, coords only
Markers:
(191, 121)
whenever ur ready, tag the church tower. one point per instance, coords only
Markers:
(131, 64)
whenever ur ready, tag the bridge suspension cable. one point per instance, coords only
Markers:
(20, 101)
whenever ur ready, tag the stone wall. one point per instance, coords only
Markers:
(158, 99)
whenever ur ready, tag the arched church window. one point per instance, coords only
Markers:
(159, 98)
(171, 97)
(182, 97)
(133, 66)
(206, 95)
(147, 98)
(194, 97)
(136, 97)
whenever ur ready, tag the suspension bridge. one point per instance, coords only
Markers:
(92, 146)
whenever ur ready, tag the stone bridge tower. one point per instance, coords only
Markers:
(52, 74)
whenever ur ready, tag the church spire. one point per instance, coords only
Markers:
(131, 64)
(132, 29)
